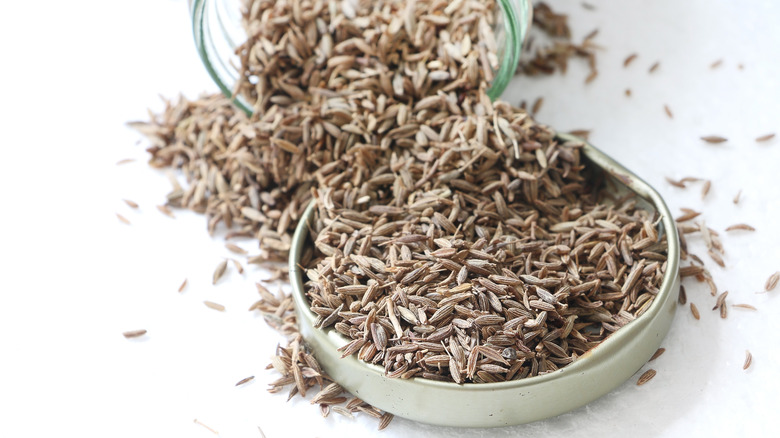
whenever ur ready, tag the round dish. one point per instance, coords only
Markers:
(594, 374)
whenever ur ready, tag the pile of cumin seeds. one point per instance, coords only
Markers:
(405, 49)
(489, 254)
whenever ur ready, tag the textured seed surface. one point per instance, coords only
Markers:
(646, 377)
(134, 333)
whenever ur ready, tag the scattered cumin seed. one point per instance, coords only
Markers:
(238, 266)
(385, 420)
(130, 203)
(207, 428)
(581, 133)
(736, 198)
(687, 215)
(646, 377)
(591, 77)
(682, 297)
(654, 67)
(628, 92)
(537, 106)
(123, 219)
(748, 360)
(214, 306)
(744, 306)
(714, 139)
(716, 64)
(695, 311)
(629, 59)
(679, 184)
(591, 35)
(705, 189)
(125, 161)
(245, 380)
(764, 138)
(166, 211)
(232, 247)
(183, 285)
(657, 353)
(740, 227)
(668, 112)
(134, 333)
(219, 271)
(771, 282)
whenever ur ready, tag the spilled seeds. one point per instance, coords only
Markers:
(646, 377)
(134, 333)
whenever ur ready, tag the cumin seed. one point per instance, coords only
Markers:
(245, 380)
(166, 211)
(748, 360)
(657, 353)
(714, 139)
(668, 112)
(764, 138)
(122, 219)
(740, 227)
(695, 311)
(219, 271)
(183, 285)
(646, 377)
(215, 306)
(130, 203)
(134, 333)
(771, 282)
(629, 59)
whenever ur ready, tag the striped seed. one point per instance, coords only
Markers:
(245, 380)
(134, 333)
(657, 353)
(695, 311)
(215, 306)
(764, 138)
(219, 271)
(748, 360)
(646, 377)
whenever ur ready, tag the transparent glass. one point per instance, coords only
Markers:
(217, 29)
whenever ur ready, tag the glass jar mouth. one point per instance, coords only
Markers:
(218, 32)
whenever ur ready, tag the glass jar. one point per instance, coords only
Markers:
(218, 32)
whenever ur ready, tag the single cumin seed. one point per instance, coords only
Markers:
(130, 203)
(716, 64)
(764, 138)
(245, 380)
(123, 219)
(235, 248)
(183, 285)
(629, 59)
(657, 353)
(654, 67)
(219, 271)
(748, 360)
(695, 311)
(125, 161)
(134, 333)
(668, 112)
(714, 139)
(166, 211)
(744, 306)
(742, 227)
(771, 282)
(214, 306)
(646, 377)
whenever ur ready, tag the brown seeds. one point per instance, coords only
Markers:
(166, 211)
(716, 64)
(122, 219)
(771, 282)
(183, 285)
(764, 138)
(219, 271)
(629, 59)
(654, 67)
(695, 311)
(736, 198)
(537, 106)
(235, 248)
(130, 203)
(748, 360)
(668, 112)
(742, 227)
(744, 306)
(657, 353)
(125, 161)
(215, 306)
(134, 333)
(385, 420)
(245, 380)
(646, 377)
(714, 139)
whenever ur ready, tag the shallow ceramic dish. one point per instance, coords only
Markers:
(594, 374)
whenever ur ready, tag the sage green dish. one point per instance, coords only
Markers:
(593, 375)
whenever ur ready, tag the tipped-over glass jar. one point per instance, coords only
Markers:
(218, 31)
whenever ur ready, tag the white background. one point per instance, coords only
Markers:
(74, 277)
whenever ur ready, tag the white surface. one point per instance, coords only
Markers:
(74, 277)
